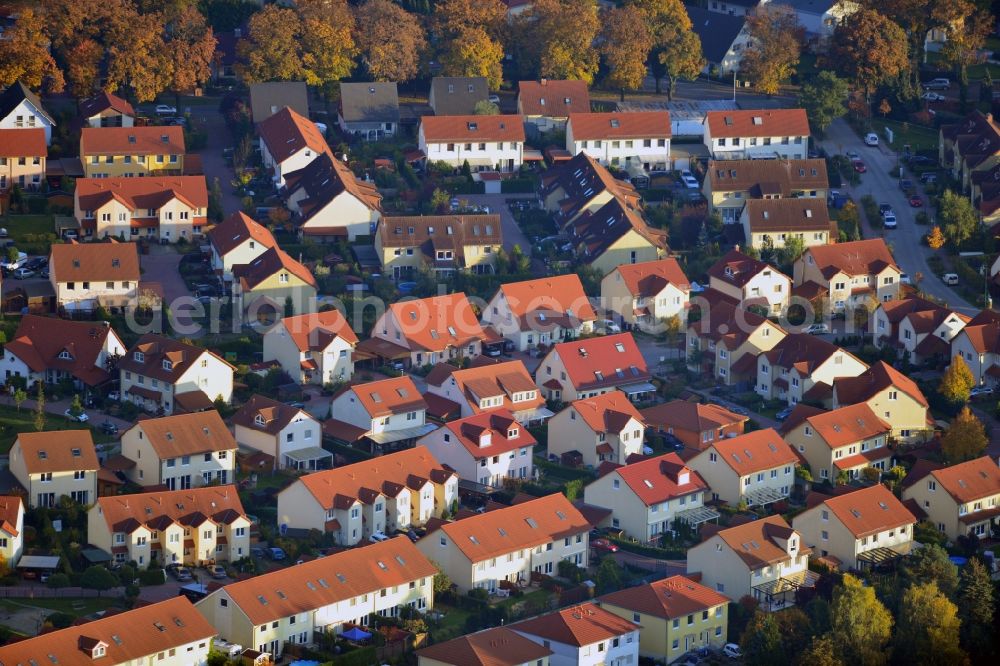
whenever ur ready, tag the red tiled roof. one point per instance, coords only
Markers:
(271, 262)
(235, 230)
(11, 507)
(495, 427)
(438, 322)
(287, 132)
(668, 598)
(57, 451)
(855, 258)
(150, 140)
(39, 341)
(578, 626)
(94, 262)
(553, 98)
(316, 331)
(869, 510)
(847, 425)
(500, 646)
(970, 480)
(754, 451)
(583, 359)
(737, 268)
(489, 381)
(276, 415)
(472, 129)
(141, 193)
(758, 122)
(661, 478)
(103, 101)
(607, 413)
(650, 277)
(556, 296)
(795, 215)
(692, 416)
(187, 434)
(619, 125)
(879, 377)
(23, 142)
(384, 397)
(754, 541)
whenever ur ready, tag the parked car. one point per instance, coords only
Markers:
(918, 160)
(928, 178)
(916, 201)
(689, 179)
(23, 273)
(932, 97)
(605, 545)
(109, 428)
(165, 110)
(884, 208)
(937, 84)
(871, 139)
(859, 166)
(216, 571)
(276, 553)
(784, 413)
(905, 184)
(79, 418)
(950, 279)
(378, 536)
(732, 650)
(889, 220)
(181, 573)
(609, 326)
(904, 278)
(495, 99)
(981, 391)
(817, 329)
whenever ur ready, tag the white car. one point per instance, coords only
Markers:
(494, 99)
(889, 220)
(378, 536)
(165, 110)
(932, 97)
(79, 418)
(609, 326)
(689, 180)
(981, 391)
(732, 650)
(871, 139)
(817, 329)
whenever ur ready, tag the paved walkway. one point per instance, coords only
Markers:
(213, 161)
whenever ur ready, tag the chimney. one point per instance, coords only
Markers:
(545, 81)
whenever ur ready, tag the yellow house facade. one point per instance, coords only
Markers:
(11, 529)
(440, 243)
(842, 440)
(112, 152)
(961, 499)
(50, 465)
(891, 395)
(272, 284)
(756, 468)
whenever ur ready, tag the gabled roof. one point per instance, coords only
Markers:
(39, 342)
(755, 542)
(287, 132)
(490, 381)
(323, 180)
(661, 478)
(150, 140)
(863, 257)
(559, 298)
(581, 179)
(312, 585)
(104, 101)
(516, 527)
(553, 98)
(727, 322)
(803, 352)
(983, 331)
(848, 425)
(716, 30)
(23, 142)
(369, 102)
(273, 414)
(738, 269)
(237, 229)
(187, 434)
(499, 646)
(868, 511)
(132, 636)
(877, 378)
(767, 176)
(126, 513)
(668, 598)
(384, 397)
(753, 452)
(157, 349)
(649, 278)
(578, 626)
(970, 480)
(793, 215)
(438, 129)
(16, 93)
(364, 481)
(758, 123)
(606, 413)
(437, 322)
(607, 360)
(315, 331)
(457, 95)
(596, 231)
(692, 416)
(271, 262)
(496, 425)
(57, 451)
(623, 125)
(11, 507)
(440, 232)
(270, 97)
(94, 262)
(142, 193)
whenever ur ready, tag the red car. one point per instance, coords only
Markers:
(859, 166)
(605, 545)
(916, 201)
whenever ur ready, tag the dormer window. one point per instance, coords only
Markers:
(139, 357)
(259, 420)
(65, 355)
(167, 365)
(512, 433)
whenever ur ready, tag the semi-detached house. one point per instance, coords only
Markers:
(86, 276)
(727, 340)
(441, 243)
(647, 294)
(847, 439)
(604, 428)
(23, 155)
(21, 109)
(239, 239)
(747, 281)
(272, 284)
(756, 468)
(292, 605)
(487, 143)
(181, 452)
(288, 142)
(313, 348)
(804, 367)
(547, 104)
(959, 500)
(695, 424)
(918, 328)
(584, 635)
(498, 646)
(770, 223)
(289, 436)
(330, 203)
(891, 395)
(426, 331)
(542, 311)
(849, 274)
(487, 387)
(730, 183)
(570, 189)
(110, 152)
(978, 343)
(629, 140)
(757, 134)
(388, 414)
(587, 368)
(49, 465)
(157, 208)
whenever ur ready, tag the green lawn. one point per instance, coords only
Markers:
(918, 137)
(18, 226)
(12, 422)
(976, 72)
(72, 605)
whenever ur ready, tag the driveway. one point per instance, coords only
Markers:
(905, 241)
(512, 234)
(213, 162)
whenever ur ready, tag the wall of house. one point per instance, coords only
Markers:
(62, 483)
(481, 156)
(720, 477)
(721, 569)
(940, 507)
(26, 115)
(28, 175)
(552, 367)
(12, 545)
(244, 253)
(297, 507)
(349, 409)
(214, 378)
(744, 148)
(759, 239)
(907, 416)
(134, 165)
(978, 363)
(347, 212)
(230, 621)
(830, 536)
(656, 639)
(294, 162)
(631, 248)
(623, 152)
(597, 653)
(272, 293)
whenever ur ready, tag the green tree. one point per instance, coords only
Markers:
(860, 625)
(610, 576)
(790, 252)
(927, 629)
(821, 652)
(442, 584)
(20, 395)
(958, 217)
(574, 489)
(484, 107)
(625, 44)
(957, 381)
(40, 408)
(75, 406)
(870, 50)
(676, 52)
(966, 438)
(977, 609)
(930, 564)
(825, 99)
(58, 580)
(774, 46)
(762, 641)
(98, 578)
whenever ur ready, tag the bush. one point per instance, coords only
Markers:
(60, 620)
(152, 577)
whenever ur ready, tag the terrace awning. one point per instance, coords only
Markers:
(635, 389)
(390, 436)
(697, 515)
(764, 496)
(308, 453)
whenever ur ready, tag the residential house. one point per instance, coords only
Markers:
(978, 343)
(613, 235)
(584, 635)
(181, 452)
(919, 329)
(330, 202)
(21, 108)
(769, 223)
(369, 110)
(750, 282)
(428, 331)
(289, 435)
(727, 340)
(859, 529)
(272, 284)
(196, 527)
(172, 628)
(489, 387)
(724, 38)
(570, 189)
(161, 208)
(107, 110)
(733, 7)
(764, 559)
(648, 497)
(87, 276)
(313, 348)
(755, 469)
(546, 105)
(676, 614)
(851, 275)
(289, 141)
(322, 597)
(819, 18)
(605, 428)
(392, 492)
(695, 424)
(114, 152)
(629, 140)
(985, 196)
(510, 545)
(486, 143)
(959, 500)
(542, 311)
(388, 413)
(486, 448)
(804, 367)
(11, 529)
(457, 95)
(968, 146)
(844, 440)
(757, 134)
(163, 375)
(50, 465)
(892, 396)
(239, 239)
(647, 295)
(23, 155)
(590, 367)
(499, 646)
(729, 184)
(269, 98)
(441, 243)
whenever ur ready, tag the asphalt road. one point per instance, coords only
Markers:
(905, 240)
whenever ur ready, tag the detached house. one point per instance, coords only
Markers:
(238, 240)
(765, 559)
(50, 350)
(23, 155)
(724, 37)
(978, 343)
(163, 208)
(648, 497)
(164, 375)
(646, 295)
(849, 274)
(291, 437)
(427, 331)
(847, 439)
(695, 424)
(87, 276)
(20, 108)
(498, 646)
(542, 311)
(757, 134)
(113, 152)
(748, 281)
(547, 104)
(181, 452)
(388, 413)
(457, 95)
(727, 340)
(487, 143)
(288, 142)
(195, 527)
(381, 495)
(509, 546)
(605, 428)
(270, 97)
(582, 185)
(583, 635)
(322, 597)
(369, 110)
(959, 500)
(613, 235)
(804, 367)
(756, 468)
(891, 395)
(729, 184)
(272, 284)
(486, 448)
(630, 140)
(918, 328)
(330, 202)
(313, 348)
(49, 465)
(969, 146)
(590, 367)
(11, 529)
(107, 110)
(489, 387)
(768, 223)
(860, 529)
(441, 243)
